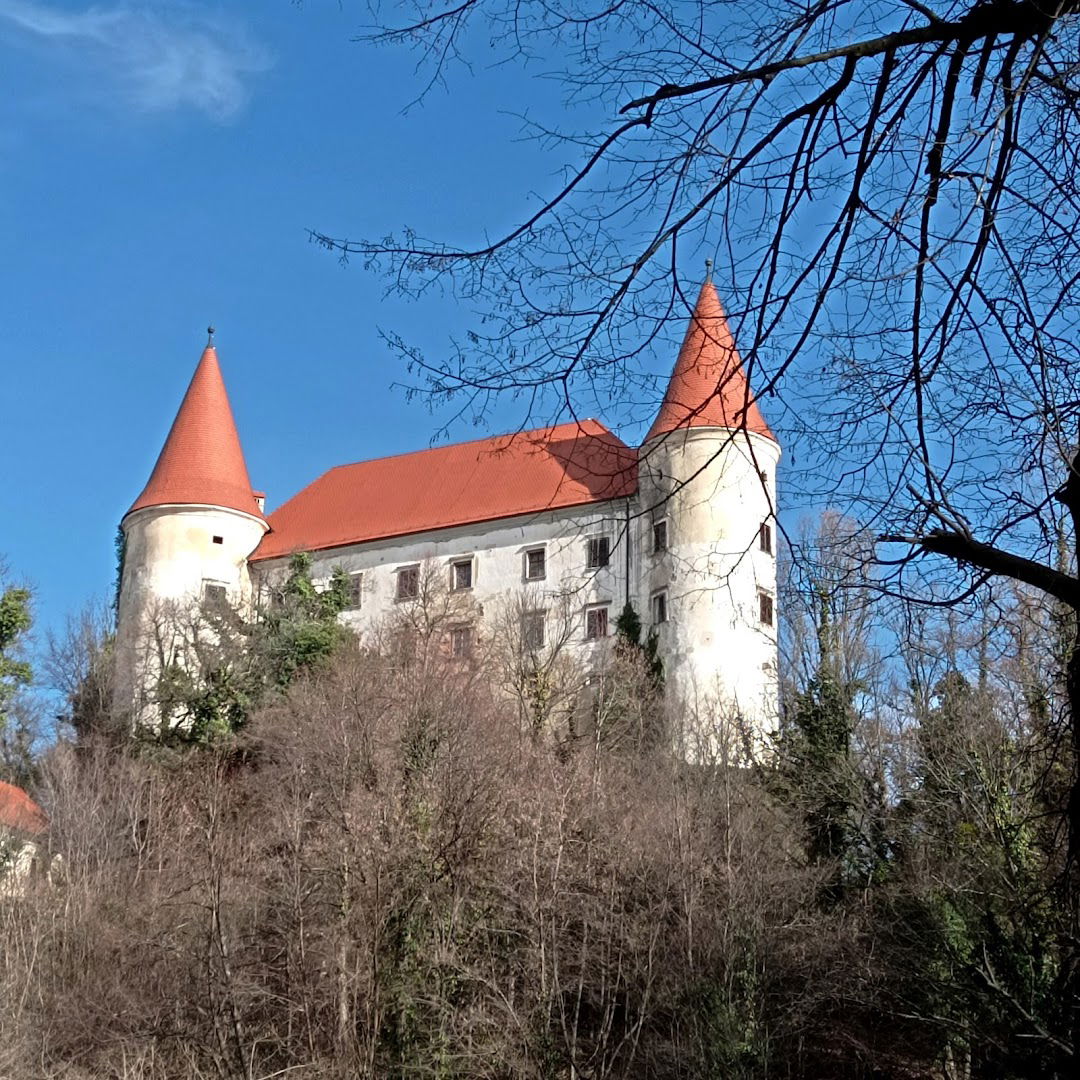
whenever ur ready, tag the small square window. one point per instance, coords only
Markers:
(659, 608)
(461, 641)
(596, 623)
(599, 552)
(535, 564)
(215, 594)
(218, 539)
(659, 536)
(766, 615)
(765, 537)
(461, 574)
(408, 583)
(532, 630)
(354, 596)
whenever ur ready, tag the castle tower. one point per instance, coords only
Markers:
(187, 537)
(707, 478)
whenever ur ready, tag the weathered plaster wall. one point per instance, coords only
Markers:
(714, 489)
(498, 554)
(169, 556)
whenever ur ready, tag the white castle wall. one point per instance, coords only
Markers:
(708, 486)
(498, 553)
(714, 489)
(169, 557)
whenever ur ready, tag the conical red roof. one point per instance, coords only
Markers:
(201, 462)
(708, 387)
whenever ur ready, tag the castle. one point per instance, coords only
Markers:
(562, 525)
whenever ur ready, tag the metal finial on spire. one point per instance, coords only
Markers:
(708, 271)
(209, 336)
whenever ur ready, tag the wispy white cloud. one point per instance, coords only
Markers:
(151, 56)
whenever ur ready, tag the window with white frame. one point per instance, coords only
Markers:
(408, 583)
(659, 536)
(461, 641)
(765, 537)
(215, 594)
(461, 574)
(354, 593)
(596, 623)
(535, 564)
(599, 554)
(766, 609)
(533, 625)
(660, 607)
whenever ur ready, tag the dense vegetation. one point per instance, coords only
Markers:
(397, 864)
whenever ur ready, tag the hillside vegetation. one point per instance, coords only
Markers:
(388, 861)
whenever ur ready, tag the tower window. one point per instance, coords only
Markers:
(766, 614)
(535, 564)
(659, 536)
(659, 608)
(599, 552)
(461, 641)
(408, 583)
(765, 537)
(218, 539)
(215, 594)
(532, 630)
(461, 574)
(354, 598)
(596, 623)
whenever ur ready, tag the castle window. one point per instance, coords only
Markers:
(596, 623)
(461, 641)
(535, 564)
(659, 608)
(461, 574)
(408, 583)
(532, 630)
(765, 537)
(215, 594)
(354, 597)
(599, 552)
(659, 535)
(218, 539)
(766, 614)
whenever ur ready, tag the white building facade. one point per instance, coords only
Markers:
(554, 530)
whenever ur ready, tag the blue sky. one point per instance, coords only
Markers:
(160, 165)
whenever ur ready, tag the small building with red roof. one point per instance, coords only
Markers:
(23, 825)
(538, 538)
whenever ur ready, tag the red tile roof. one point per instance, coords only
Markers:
(19, 811)
(201, 461)
(546, 469)
(708, 387)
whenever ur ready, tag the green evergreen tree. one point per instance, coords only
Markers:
(816, 759)
(241, 663)
(15, 676)
(628, 637)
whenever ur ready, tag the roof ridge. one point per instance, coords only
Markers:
(473, 442)
(576, 463)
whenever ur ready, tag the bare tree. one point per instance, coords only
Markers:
(535, 662)
(889, 191)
